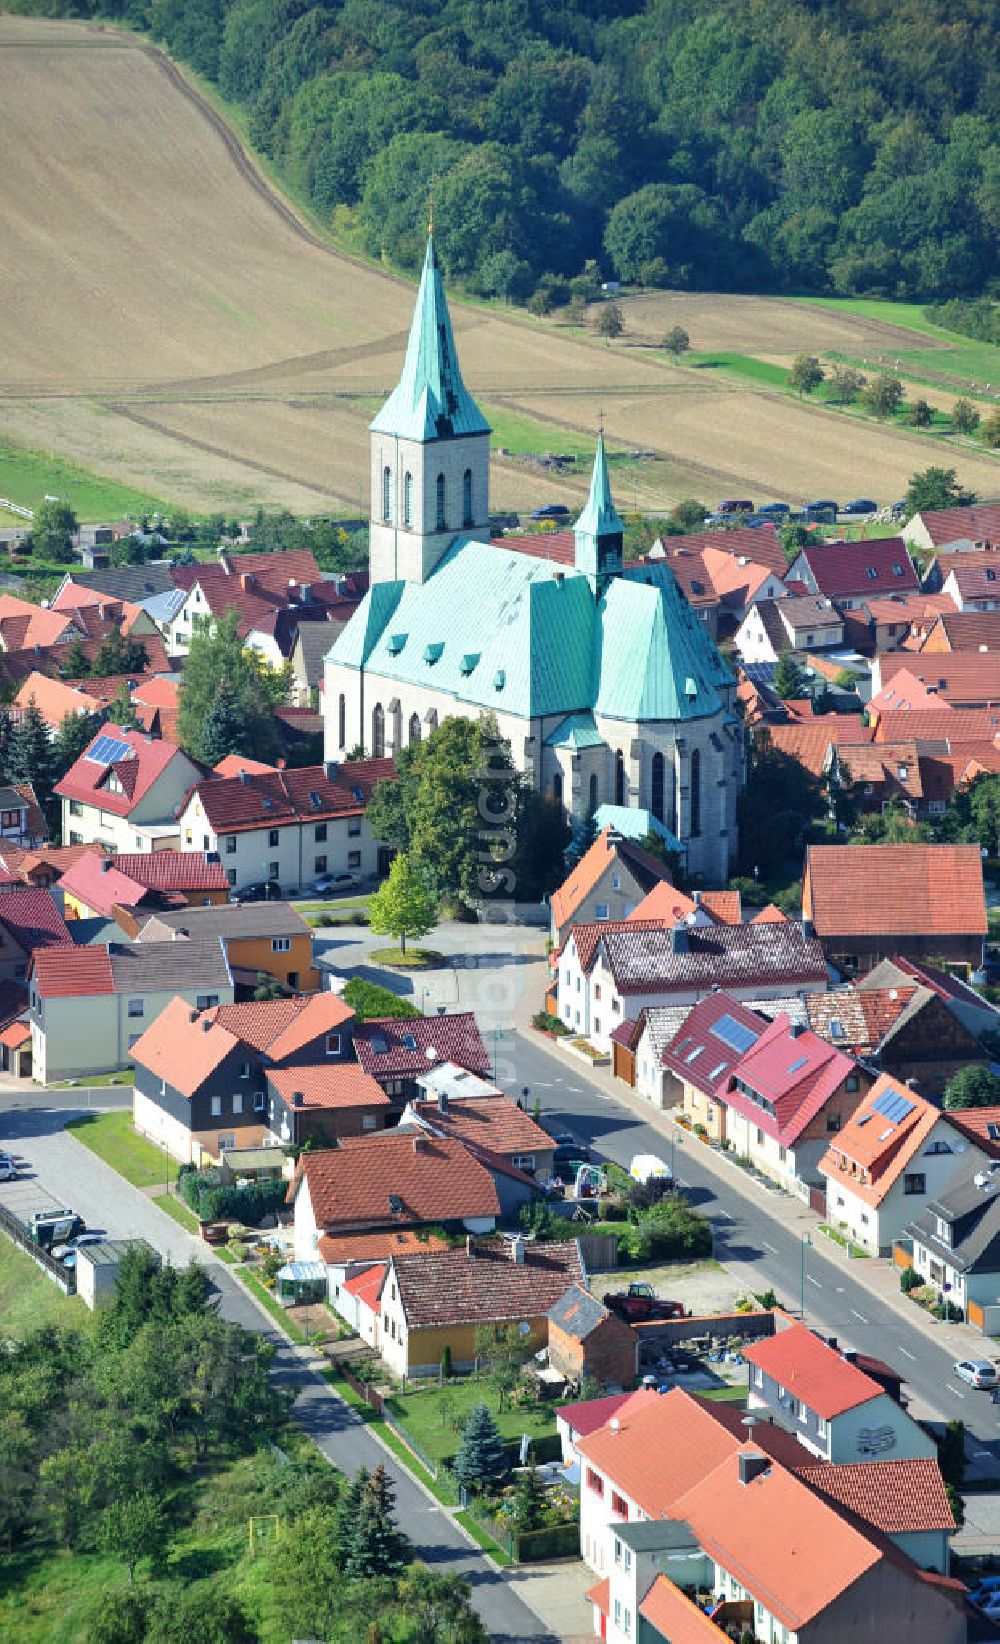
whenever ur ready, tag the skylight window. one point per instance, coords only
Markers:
(717, 1072)
(409, 1042)
(800, 1061)
(873, 573)
(897, 570)
(863, 1119)
(836, 1029)
(692, 1055)
(380, 1045)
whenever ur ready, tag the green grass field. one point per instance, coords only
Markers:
(27, 477)
(175, 1208)
(740, 365)
(112, 1138)
(962, 359)
(432, 1415)
(29, 1300)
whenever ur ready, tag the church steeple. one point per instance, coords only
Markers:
(599, 531)
(429, 448)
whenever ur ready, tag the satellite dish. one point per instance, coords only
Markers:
(524, 1328)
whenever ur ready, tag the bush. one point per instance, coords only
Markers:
(368, 999)
(908, 1280)
(211, 1200)
(545, 1022)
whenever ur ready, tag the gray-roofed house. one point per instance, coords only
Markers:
(600, 675)
(587, 1339)
(312, 642)
(956, 1246)
(136, 583)
(260, 938)
(89, 1005)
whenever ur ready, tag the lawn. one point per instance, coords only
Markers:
(523, 436)
(742, 365)
(29, 1300)
(27, 477)
(172, 1206)
(112, 1137)
(434, 1416)
(961, 357)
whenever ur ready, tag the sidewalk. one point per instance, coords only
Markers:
(877, 1274)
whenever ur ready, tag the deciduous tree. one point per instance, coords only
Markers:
(407, 904)
(972, 1086)
(883, 396)
(133, 1529)
(677, 341)
(52, 531)
(610, 320)
(217, 660)
(964, 417)
(806, 374)
(935, 488)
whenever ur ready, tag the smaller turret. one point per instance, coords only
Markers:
(599, 531)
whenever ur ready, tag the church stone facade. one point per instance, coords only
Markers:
(599, 674)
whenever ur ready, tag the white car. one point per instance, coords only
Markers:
(66, 1253)
(977, 1372)
(8, 1169)
(646, 1167)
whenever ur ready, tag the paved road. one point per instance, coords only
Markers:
(760, 1249)
(54, 1163)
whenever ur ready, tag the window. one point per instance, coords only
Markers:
(272, 838)
(378, 731)
(760, 1136)
(832, 1122)
(133, 1039)
(280, 944)
(803, 1412)
(597, 1024)
(618, 1550)
(597, 991)
(319, 833)
(75, 808)
(342, 720)
(333, 1044)
(207, 1001)
(354, 859)
(10, 819)
(595, 1482)
(136, 1007)
(272, 870)
(601, 911)
(619, 778)
(557, 788)
(230, 876)
(656, 787)
(227, 1138)
(216, 1107)
(407, 500)
(238, 1102)
(414, 729)
(618, 1612)
(626, 1620)
(696, 793)
(619, 1506)
(616, 881)
(758, 1376)
(245, 1070)
(781, 1155)
(354, 827)
(593, 794)
(369, 1121)
(387, 495)
(258, 1101)
(915, 1182)
(440, 493)
(852, 1082)
(821, 1426)
(467, 514)
(319, 864)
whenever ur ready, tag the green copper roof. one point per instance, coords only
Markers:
(576, 731)
(430, 401)
(635, 824)
(655, 659)
(356, 641)
(600, 517)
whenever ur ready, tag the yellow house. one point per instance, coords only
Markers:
(269, 938)
(439, 1299)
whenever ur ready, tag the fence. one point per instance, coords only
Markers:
(713, 1327)
(530, 1546)
(15, 1230)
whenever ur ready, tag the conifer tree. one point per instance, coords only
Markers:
(378, 1547)
(788, 681)
(30, 755)
(481, 1454)
(348, 1510)
(528, 1500)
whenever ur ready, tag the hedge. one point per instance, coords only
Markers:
(212, 1200)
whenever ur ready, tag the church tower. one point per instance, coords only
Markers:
(599, 531)
(430, 449)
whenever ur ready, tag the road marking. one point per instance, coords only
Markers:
(954, 1390)
(814, 1281)
(771, 1247)
(907, 1354)
(982, 1453)
(859, 1316)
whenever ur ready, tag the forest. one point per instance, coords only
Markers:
(845, 146)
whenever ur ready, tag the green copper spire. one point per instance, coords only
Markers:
(600, 529)
(430, 401)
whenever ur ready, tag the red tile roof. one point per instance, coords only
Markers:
(879, 1148)
(952, 726)
(898, 1497)
(559, 546)
(315, 1015)
(879, 890)
(706, 1049)
(18, 1033)
(845, 569)
(55, 698)
(980, 522)
(958, 678)
(23, 863)
(663, 905)
(808, 743)
(183, 1046)
(676, 1617)
(23, 625)
(441, 1287)
(963, 631)
(233, 764)
(174, 870)
(367, 1286)
(71, 972)
(981, 1125)
(33, 920)
(736, 956)
(724, 905)
(98, 883)
(454, 1038)
(328, 1085)
(600, 1595)
(813, 1372)
(495, 1122)
(588, 1415)
(271, 799)
(256, 586)
(584, 878)
(361, 1247)
(760, 544)
(137, 772)
(769, 915)
(360, 1182)
(797, 1073)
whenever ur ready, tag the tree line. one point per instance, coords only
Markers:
(793, 144)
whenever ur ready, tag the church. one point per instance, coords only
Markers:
(598, 673)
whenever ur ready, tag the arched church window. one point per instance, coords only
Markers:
(440, 498)
(619, 778)
(592, 806)
(557, 788)
(407, 499)
(378, 732)
(342, 720)
(432, 721)
(387, 494)
(468, 518)
(414, 728)
(656, 787)
(695, 793)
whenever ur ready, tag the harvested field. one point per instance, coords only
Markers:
(172, 322)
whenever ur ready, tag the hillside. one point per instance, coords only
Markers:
(175, 324)
(787, 145)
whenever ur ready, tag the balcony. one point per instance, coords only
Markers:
(734, 1615)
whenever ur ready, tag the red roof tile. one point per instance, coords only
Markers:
(981, 1125)
(18, 1033)
(898, 1497)
(71, 972)
(607, 848)
(361, 1181)
(707, 1048)
(979, 522)
(96, 882)
(328, 1085)
(960, 679)
(879, 890)
(392, 1048)
(495, 1122)
(675, 1617)
(174, 870)
(588, 1415)
(879, 1148)
(940, 724)
(852, 569)
(440, 1287)
(812, 1371)
(33, 920)
(316, 1015)
(271, 799)
(183, 1046)
(367, 1286)
(136, 772)
(809, 743)
(963, 631)
(796, 1073)
(360, 1247)
(233, 764)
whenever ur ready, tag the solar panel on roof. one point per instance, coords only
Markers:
(893, 1106)
(734, 1034)
(107, 750)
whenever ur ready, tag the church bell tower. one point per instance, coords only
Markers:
(600, 530)
(430, 449)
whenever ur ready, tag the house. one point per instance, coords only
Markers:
(287, 826)
(828, 1402)
(263, 589)
(798, 623)
(882, 773)
(260, 938)
(971, 1009)
(574, 1421)
(914, 683)
(22, 824)
(587, 1340)
(89, 1006)
(313, 640)
(23, 626)
(395, 1180)
(30, 920)
(738, 1515)
(975, 631)
(809, 742)
(704, 1048)
(868, 902)
(971, 581)
(939, 529)
(437, 1301)
(956, 1246)
(906, 1030)
(262, 1072)
(849, 573)
(957, 728)
(896, 623)
(609, 973)
(608, 882)
(137, 584)
(483, 1118)
(397, 1052)
(888, 1161)
(40, 865)
(95, 885)
(124, 791)
(55, 698)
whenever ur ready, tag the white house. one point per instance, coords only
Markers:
(124, 791)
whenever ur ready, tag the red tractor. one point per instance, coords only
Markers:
(639, 1304)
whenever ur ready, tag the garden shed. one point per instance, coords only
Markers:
(301, 1282)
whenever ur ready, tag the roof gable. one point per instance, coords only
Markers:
(817, 1374)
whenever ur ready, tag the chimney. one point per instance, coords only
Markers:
(517, 1250)
(470, 1246)
(192, 1015)
(419, 1144)
(105, 864)
(442, 1097)
(795, 1030)
(752, 1464)
(297, 1098)
(244, 776)
(248, 581)
(206, 1023)
(679, 940)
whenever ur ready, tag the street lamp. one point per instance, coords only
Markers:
(806, 1240)
(496, 1051)
(423, 999)
(675, 1142)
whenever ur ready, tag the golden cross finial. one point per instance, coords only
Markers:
(430, 215)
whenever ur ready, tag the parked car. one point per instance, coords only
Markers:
(735, 505)
(987, 1589)
(646, 1167)
(568, 1147)
(265, 890)
(825, 511)
(49, 1227)
(639, 1303)
(551, 510)
(977, 1372)
(776, 509)
(756, 520)
(860, 505)
(8, 1169)
(333, 884)
(66, 1253)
